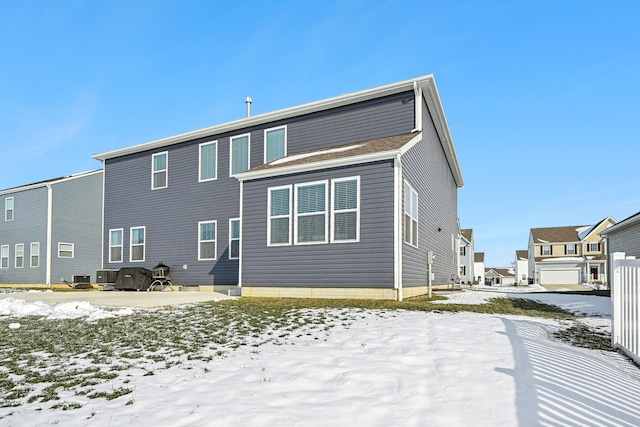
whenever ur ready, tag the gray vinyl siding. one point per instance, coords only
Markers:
(367, 263)
(426, 169)
(627, 240)
(29, 225)
(77, 219)
(171, 215)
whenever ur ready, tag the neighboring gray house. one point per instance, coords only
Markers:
(467, 256)
(623, 237)
(344, 195)
(51, 230)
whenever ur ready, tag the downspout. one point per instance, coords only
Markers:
(397, 247)
(417, 90)
(241, 239)
(49, 231)
(104, 178)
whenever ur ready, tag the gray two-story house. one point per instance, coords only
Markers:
(51, 230)
(342, 197)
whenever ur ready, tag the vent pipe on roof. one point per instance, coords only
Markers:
(248, 101)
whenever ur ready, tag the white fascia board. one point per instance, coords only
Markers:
(325, 164)
(48, 183)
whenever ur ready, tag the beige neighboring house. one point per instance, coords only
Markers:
(478, 267)
(569, 255)
(500, 277)
(521, 266)
(466, 260)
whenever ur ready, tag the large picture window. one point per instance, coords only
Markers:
(34, 254)
(311, 213)
(279, 223)
(160, 170)
(206, 240)
(115, 245)
(19, 255)
(346, 210)
(137, 244)
(410, 215)
(208, 161)
(239, 154)
(234, 238)
(65, 250)
(275, 143)
(4, 256)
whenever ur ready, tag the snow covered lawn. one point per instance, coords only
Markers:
(209, 365)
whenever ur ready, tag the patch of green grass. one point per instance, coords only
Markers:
(580, 335)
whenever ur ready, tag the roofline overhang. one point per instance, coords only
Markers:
(48, 182)
(633, 219)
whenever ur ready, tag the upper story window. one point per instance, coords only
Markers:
(279, 223)
(594, 247)
(65, 250)
(208, 161)
(463, 250)
(137, 244)
(34, 254)
(546, 249)
(311, 212)
(234, 238)
(570, 249)
(160, 170)
(346, 210)
(411, 215)
(275, 143)
(115, 245)
(8, 209)
(206, 240)
(239, 154)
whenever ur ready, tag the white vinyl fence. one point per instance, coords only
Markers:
(625, 298)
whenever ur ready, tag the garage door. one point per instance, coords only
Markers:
(560, 277)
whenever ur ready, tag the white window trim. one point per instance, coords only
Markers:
(200, 161)
(15, 255)
(143, 244)
(73, 250)
(7, 210)
(542, 250)
(31, 254)
(231, 239)
(248, 135)
(121, 245)
(215, 241)
(573, 251)
(412, 190)
(166, 170)
(589, 246)
(265, 140)
(357, 210)
(2, 256)
(269, 217)
(297, 215)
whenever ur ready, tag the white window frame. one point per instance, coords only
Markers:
(297, 215)
(408, 212)
(234, 239)
(333, 211)
(215, 241)
(121, 245)
(4, 255)
(265, 141)
(8, 210)
(72, 250)
(33, 253)
(545, 246)
(571, 246)
(595, 245)
(215, 165)
(16, 256)
(270, 217)
(248, 135)
(165, 170)
(143, 244)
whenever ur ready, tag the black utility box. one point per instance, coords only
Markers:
(81, 280)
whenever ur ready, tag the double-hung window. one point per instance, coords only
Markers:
(65, 250)
(34, 254)
(8, 209)
(546, 249)
(19, 255)
(115, 245)
(159, 170)
(4, 256)
(279, 223)
(311, 213)
(275, 143)
(594, 247)
(346, 210)
(239, 154)
(208, 161)
(570, 249)
(206, 240)
(410, 215)
(137, 244)
(234, 238)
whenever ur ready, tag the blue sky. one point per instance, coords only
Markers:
(542, 97)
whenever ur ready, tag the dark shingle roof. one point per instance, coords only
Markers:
(478, 257)
(467, 233)
(522, 254)
(556, 234)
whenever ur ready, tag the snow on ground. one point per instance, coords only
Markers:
(15, 307)
(399, 368)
